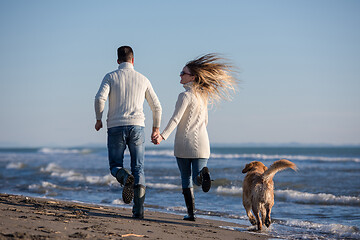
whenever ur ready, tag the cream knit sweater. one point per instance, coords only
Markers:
(126, 90)
(190, 117)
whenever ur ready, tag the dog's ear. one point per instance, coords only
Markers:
(247, 168)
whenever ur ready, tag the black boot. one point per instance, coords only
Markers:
(190, 203)
(139, 198)
(204, 179)
(124, 177)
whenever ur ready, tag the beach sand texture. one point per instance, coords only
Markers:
(37, 218)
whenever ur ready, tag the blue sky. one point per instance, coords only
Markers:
(299, 62)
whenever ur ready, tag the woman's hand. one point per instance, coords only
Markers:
(157, 139)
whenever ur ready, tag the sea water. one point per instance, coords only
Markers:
(319, 201)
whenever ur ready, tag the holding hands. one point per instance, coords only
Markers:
(156, 137)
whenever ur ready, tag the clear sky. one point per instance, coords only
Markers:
(299, 62)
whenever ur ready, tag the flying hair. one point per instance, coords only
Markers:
(214, 77)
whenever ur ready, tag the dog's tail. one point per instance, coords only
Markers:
(278, 166)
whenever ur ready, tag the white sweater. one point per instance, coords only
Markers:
(190, 117)
(126, 90)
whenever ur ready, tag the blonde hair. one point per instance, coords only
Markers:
(214, 77)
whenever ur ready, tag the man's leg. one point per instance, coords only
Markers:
(116, 147)
(137, 150)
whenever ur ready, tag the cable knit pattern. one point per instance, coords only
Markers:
(190, 118)
(127, 91)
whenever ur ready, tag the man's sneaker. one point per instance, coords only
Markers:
(128, 190)
(206, 181)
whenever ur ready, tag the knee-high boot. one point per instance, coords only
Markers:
(190, 203)
(139, 198)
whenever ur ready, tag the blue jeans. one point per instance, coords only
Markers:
(186, 165)
(134, 138)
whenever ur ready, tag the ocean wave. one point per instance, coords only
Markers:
(256, 156)
(319, 198)
(299, 197)
(232, 190)
(336, 230)
(163, 186)
(166, 153)
(260, 156)
(43, 184)
(48, 188)
(15, 165)
(73, 176)
(297, 229)
(118, 202)
(64, 151)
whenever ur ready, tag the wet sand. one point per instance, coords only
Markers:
(37, 218)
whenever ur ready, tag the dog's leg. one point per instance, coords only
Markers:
(263, 213)
(251, 217)
(256, 210)
(268, 212)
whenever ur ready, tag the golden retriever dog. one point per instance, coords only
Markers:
(258, 190)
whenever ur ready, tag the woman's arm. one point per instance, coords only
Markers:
(180, 107)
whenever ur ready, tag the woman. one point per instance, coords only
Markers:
(205, 79)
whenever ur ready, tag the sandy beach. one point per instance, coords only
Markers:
(37, 218)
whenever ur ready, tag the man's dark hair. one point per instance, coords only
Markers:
(125, 54)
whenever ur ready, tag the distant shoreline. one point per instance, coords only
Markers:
(215, 145)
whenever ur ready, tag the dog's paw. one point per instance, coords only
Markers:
(267, 222)
(252, 221)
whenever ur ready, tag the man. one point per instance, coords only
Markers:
(127, 91)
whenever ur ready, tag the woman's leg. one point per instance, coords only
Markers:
(197, 165)
(201, 174)
(184, 165)
(187, 187)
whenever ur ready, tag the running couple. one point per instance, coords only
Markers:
(206, 79)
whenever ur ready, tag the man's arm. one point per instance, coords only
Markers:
(100, 100)
(155, 107)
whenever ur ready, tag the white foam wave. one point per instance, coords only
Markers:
(46, 187)
(300, 197)
(17, 165)
(51, 167)
(63, 151)
(163, 185)
(73, 176)
(232, 190)
(338, 230)
(117, 202)
(166, 153)
(170, 177)
(258, 156)
(176, 209)
(319, 198)
(291, 157)
(43, 184)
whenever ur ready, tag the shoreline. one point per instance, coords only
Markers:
(41, 218)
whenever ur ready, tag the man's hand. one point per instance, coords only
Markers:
(154, 135)
(157, 139)
(98, 125)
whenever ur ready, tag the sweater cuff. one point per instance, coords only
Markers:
(156, 122)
